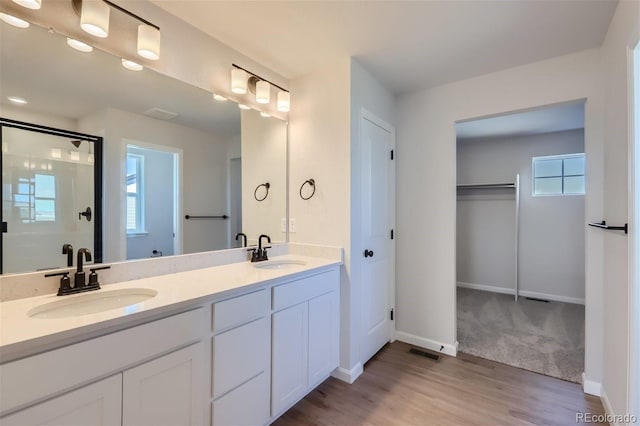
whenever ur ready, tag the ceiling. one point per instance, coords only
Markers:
(554, 118)
(407, 45)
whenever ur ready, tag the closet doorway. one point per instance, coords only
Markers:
(520, 239)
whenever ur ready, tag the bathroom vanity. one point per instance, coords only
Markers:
(232, 344)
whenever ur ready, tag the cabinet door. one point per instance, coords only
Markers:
(99, 403)
(324, 335)
(166, 391)
(289, 356)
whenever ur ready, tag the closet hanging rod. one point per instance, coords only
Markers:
(487, 186)
(190, 216)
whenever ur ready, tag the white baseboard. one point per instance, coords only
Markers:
(423, 342)
(348, 376)
(590, 387)
(523, 293)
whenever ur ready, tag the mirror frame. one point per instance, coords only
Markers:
(97, 178)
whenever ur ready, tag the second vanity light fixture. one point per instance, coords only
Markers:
(94, 19)
(243, 80)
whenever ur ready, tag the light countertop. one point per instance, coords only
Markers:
(21, 335)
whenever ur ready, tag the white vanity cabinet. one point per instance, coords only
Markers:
(98, 404)
(241, 344)
(305, 336)
(154, 377)
(165, 391)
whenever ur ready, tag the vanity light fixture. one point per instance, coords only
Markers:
(74, 155)
(239, 78)
(284, 101)
(56, 153)
(29, 4)
(219, 98)
(243, 106)
(130, 65)
(263, 92)
(79, 45)
(12, 20)
(94, 17)
(90, 157)
(17, 100)
(243, 80)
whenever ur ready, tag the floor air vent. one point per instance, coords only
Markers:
(424, 354)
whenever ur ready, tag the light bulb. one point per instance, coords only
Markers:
(79, 45)
(148, 42)
(263, 92)
(94, 17)
(239, 81)
(130, 65)
(12, 20)
(29, 4)
(284, 101)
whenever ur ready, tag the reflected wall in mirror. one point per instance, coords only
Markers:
(48, 196)
(169, 149)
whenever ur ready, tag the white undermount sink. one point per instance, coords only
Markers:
(279, 264)
(93, 303)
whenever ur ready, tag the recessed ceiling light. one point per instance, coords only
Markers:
(130, 65)
(243, 106)
(79, 45)
(12, 20)
(29, 4)
(219, 97)
(17, 100)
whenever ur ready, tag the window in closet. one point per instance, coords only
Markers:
(558, 175)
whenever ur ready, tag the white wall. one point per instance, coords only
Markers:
(623, 34)
(204, 183)
(552, 228)
(29, 116)
(264, 159)
(426, 193)
(319, 148)
(157, 183)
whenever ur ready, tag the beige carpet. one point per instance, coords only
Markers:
(547, 338)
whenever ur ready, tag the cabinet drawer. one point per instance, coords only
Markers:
(247, 405)
(240, 354)
(239, 310)
(64, 368)
(304, 289)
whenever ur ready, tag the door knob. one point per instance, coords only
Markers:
(368, 253)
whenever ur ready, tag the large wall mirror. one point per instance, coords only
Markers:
(170, 151)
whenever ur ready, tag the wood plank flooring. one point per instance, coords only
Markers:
(399, 388)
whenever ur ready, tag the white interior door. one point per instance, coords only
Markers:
(377, 218)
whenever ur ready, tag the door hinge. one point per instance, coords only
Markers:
(392, 154)
(391, 315)
(392, 234)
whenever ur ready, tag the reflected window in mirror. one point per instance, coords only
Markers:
(135, 194)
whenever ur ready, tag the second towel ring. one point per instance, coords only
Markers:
(310, 182)
(266, 194)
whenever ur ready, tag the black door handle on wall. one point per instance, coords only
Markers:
(368, 253)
